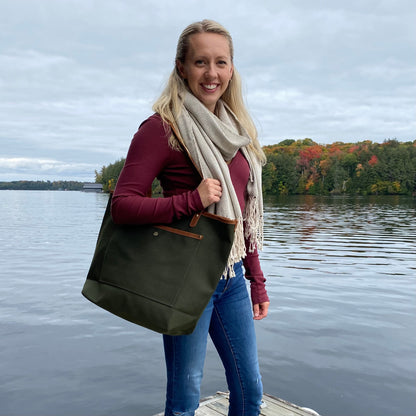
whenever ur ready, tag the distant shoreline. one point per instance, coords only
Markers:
(42, 186)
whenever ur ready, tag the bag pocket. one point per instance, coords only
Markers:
(151, 264)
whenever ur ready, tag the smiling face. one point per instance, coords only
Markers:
(208, 67)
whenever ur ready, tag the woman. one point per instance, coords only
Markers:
(203, 104)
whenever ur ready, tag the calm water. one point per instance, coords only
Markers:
(340, 338)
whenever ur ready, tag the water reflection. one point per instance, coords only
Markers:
(333, 230)
(341, 274)
(340, 337)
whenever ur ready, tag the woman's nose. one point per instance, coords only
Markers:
(211, 72)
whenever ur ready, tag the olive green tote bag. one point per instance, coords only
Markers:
(159, 276)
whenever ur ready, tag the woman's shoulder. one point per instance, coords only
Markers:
(157, 130)
(155, 126)
(151, 137)
(153, 132)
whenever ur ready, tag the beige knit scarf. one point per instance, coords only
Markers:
(211, 141)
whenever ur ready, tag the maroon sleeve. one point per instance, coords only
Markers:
(254, 273)
(150, 156)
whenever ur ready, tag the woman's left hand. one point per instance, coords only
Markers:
(260, 310)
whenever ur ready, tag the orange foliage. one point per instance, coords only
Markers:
(309, 183)
(353, 149)
(310, 153)
(324, 164)
(373, 161)
(335, 150)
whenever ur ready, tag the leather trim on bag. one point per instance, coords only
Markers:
(180, 232)
(219, 218)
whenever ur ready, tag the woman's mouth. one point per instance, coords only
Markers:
(210, 87)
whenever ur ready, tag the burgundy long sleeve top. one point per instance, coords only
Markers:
(150, 156)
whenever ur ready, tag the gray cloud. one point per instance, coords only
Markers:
(41, 169)
(78, 77)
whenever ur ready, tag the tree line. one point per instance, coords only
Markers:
(305, 167)
(301, 167)
(364, 168)
(42, 185)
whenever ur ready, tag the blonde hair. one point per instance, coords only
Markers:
(169, 104)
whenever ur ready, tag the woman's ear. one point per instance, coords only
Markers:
(180, 68)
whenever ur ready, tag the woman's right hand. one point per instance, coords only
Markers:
(210, 191)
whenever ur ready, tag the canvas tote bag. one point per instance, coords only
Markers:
(159, 276)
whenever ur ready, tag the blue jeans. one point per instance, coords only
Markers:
(228, 319)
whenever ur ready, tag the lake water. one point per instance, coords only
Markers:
(340, 337)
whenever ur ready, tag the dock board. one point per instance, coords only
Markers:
(272, 406)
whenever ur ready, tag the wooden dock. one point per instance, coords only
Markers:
(272, 406)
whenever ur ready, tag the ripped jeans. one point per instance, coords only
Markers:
(228, 319)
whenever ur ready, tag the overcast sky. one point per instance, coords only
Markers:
(77, 77)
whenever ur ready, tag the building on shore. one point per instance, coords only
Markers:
(92, 187)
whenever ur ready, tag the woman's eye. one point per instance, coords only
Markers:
(222, 63)
(199, 62)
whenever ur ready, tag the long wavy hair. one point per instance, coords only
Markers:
(169, 104)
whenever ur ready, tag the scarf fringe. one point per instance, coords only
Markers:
(252, 232)
(254, 225)
(238, 250)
